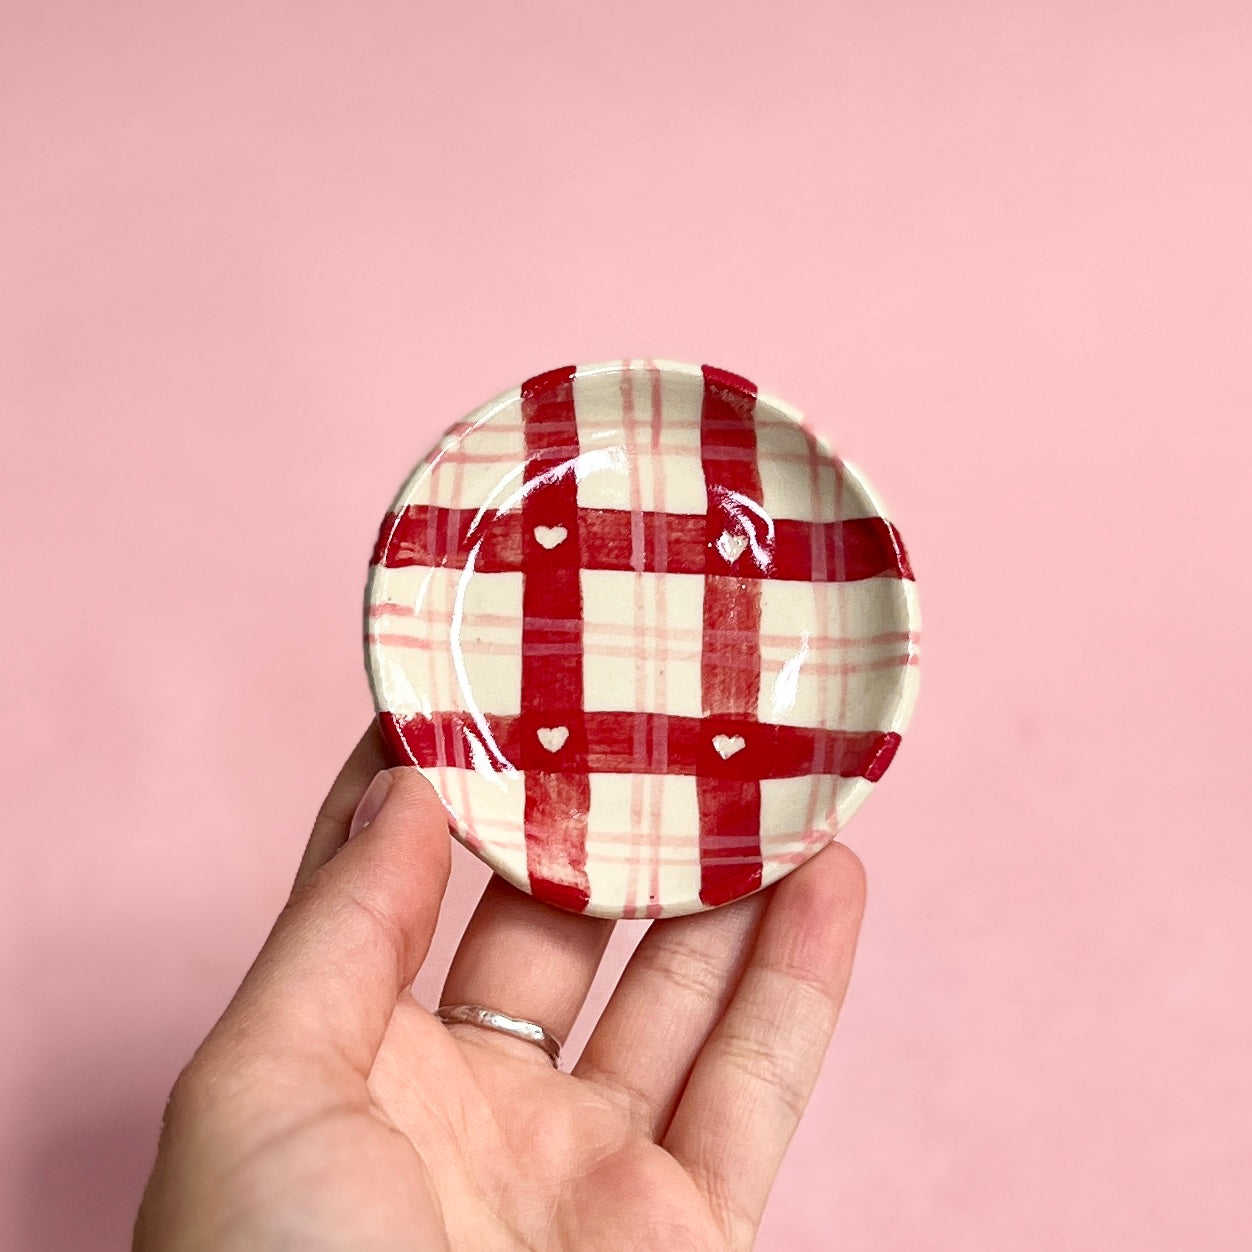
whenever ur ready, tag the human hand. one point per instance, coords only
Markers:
(327, 1110)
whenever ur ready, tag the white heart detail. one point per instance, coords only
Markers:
(553, 737)
(551, 536)
(727, 745)
(731, 546)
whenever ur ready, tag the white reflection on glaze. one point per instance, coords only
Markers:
(602, 460)
(599, 461)
(400, 691)
(462, 674)
(787, 684)
(481, 762)
(758, 525)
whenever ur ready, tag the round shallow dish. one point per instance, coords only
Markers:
(652, 642)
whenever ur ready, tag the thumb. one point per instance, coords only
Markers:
(352, 937)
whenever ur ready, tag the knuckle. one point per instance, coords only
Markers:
(360, 920)
(638, 1104)
(807, 989)
(768, 1069)
(687, 969)
(191, 1095)
(234, 1067)
(372, 928)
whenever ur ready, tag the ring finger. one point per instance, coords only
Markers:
(525, 958)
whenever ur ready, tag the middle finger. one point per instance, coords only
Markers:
(527, 959)
(670, 996)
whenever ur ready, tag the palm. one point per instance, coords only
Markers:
(522, 1156)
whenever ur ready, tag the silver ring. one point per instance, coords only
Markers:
(502, 1023)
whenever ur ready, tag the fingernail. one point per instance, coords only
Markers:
(371, 802)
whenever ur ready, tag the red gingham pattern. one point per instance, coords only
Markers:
(598, 579)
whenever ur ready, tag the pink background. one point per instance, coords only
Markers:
(254, 257)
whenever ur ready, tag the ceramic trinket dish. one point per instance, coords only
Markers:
(650, 639)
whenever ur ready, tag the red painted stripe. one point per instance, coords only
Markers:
(730, 662)
(557, 801)
(431, 535)
(672, 543)
(613, 739)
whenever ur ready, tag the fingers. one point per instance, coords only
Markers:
(350, 941)
(330, 828)
(674, 989)
(754, 1076)
(527, 959)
